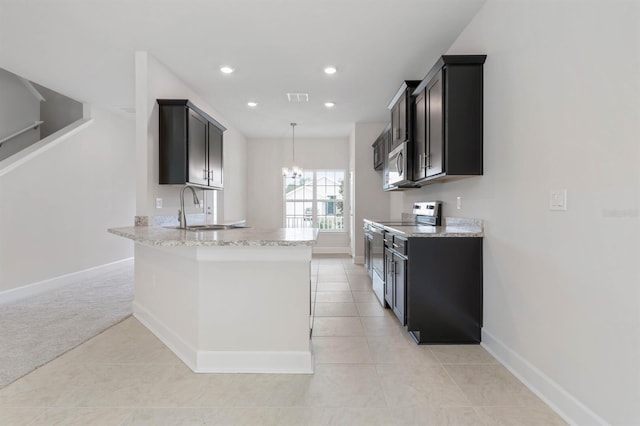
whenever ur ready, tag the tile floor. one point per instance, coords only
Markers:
(368, 372)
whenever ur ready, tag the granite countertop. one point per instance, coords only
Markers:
(171, 237)
(453, 227)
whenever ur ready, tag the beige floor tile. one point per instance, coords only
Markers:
(332, 278)
(400, 349)
(359, 279)
(355, 270)
(178, 386)
(136, 346)
(360, 286)
(364, 296)
(370, 309)
(171, 416)
(345, 385)
(115, 385)
(490, 385)
(280, 416)
(45, 386)
(381, 326)
(435, 416)
(326, 286)
(335, 309)
(254, 390)
(462, 354)
(347, 416)
(345, 350)
(425, 385)
(83, 416)
(334, 296)
(19, 416)
(337, 326)
(521, 416)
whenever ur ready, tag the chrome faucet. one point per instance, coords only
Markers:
(182, 217)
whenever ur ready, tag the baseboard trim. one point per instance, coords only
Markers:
(278, 362)
(175, 343)
(562, 402)
(331, 250)
(358, 260)
(43, 286)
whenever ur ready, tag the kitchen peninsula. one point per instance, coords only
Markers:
(235, 300)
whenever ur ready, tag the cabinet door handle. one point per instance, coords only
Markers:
(428, 158)
(205, 174)
(211, 174)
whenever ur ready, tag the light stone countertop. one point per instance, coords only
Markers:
(168, 237)
(453, 228)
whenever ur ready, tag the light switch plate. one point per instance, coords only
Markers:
(158, 203)
(558, 199)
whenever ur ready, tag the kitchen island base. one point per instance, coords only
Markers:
(228, 309)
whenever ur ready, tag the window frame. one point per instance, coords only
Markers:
(315, 202)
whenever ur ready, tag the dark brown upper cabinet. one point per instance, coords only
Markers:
(401, 117)
(191, 145)
(379, 152)
(447, 125)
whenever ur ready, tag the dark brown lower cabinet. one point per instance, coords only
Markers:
(444, 289)
(434, 286)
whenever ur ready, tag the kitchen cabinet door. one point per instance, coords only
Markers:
(396, 125)
(399, 283)
(434, 126)
(214, 155)
(389, 281)
(419, 138)
(401, 114)
(379, 152)
(197, 149)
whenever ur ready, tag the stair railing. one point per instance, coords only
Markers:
(19, 132)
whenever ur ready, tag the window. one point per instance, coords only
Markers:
(315, 200)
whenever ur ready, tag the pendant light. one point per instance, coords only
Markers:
(294, 171)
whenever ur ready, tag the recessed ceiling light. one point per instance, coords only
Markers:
(226, 69)
(330, 70)
(329, 104)
(252, 104)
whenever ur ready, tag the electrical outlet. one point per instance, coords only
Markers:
(459, 203)
(158, 203)
(558, 199)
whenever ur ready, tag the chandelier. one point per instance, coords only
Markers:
(293, 171)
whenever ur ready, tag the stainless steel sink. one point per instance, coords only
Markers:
(208, 227)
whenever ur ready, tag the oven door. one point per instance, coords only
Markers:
(399, 165)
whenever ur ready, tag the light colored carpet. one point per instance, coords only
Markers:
(38, 329)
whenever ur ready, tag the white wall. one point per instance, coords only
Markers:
(265, 160)
(370, 201)
(155, 81)
(562, 110)
(55, 209)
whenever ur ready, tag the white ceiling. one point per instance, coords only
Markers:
(85, 49)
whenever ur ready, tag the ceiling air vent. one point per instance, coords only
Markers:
(298, 97)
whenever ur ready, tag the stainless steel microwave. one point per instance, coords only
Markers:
(399, 166)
